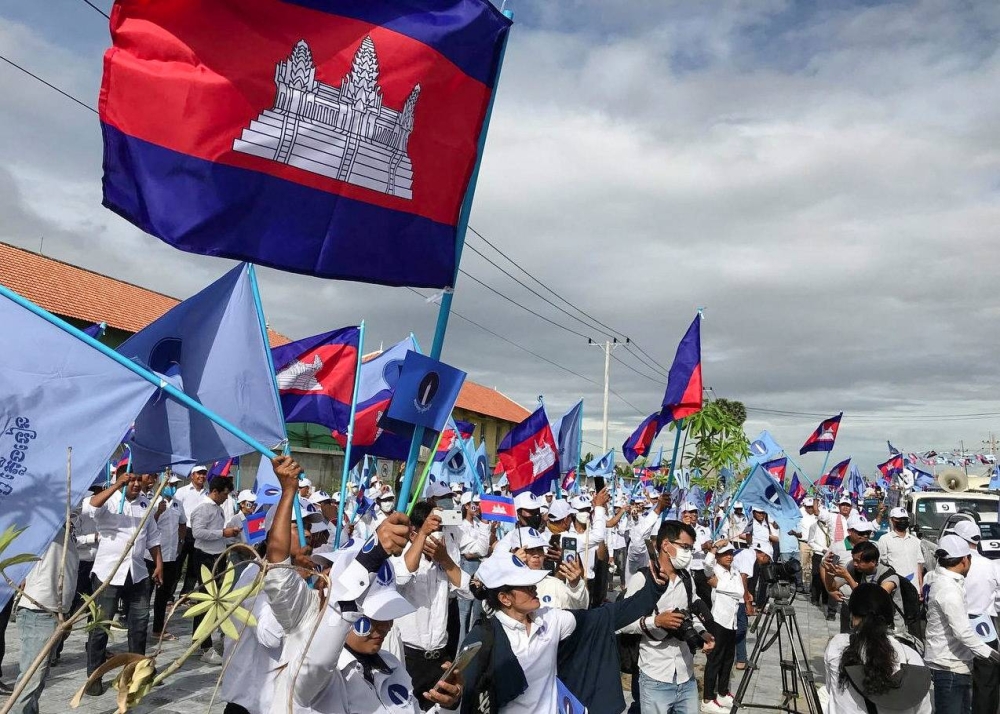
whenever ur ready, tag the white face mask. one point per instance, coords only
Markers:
(582, 517)
(682, 560)
(387, 506)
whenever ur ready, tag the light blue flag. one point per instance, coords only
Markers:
(995, 478)
(459, 463)
(266, 487)
(58, 392)
(762, 490)
(764, 448)
(603, 466)
(210, 346)
(657, 461)
(568, 430)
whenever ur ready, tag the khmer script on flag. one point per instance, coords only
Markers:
(335, 138)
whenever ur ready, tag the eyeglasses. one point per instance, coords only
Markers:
(682, 546)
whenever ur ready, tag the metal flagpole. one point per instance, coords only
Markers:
(826, 461)
(732, 502)
(350, 438)
(444, 311)
(812, 482)
(673, 459)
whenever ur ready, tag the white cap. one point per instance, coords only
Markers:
(952, 546)
(456, 486)
(319, 527)
(861, 525)
(580, 502)
(845, 499)
(436, 489)
(310, 513)
(528, 538)
(759, 509)
(723, 549)
(466, 498)
(304, 482)
(898, 512)
(386, 495)
(507, 569)
(174, 478)
(246, 496)
(766, 549)
(966, 530)
(559, 509)
(621, 501)
(319, 497)
(199, 469)
(687, 507)
(807, 501)
(526, 500)
(737, 506)
(382, 601)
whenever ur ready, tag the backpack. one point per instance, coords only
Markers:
(913, 609)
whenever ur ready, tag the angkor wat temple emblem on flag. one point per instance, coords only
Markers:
(344, 132)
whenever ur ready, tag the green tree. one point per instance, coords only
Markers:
(714, 440)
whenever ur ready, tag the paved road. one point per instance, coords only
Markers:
(189, 691)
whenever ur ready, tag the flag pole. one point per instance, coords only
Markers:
(826, 460)
(673, 459)
(462, 228)
(259, 306)
(427, 469)
(732, 502)
(812, 482)
(350, 438)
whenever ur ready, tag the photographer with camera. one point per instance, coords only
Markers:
(842, 579)
(670, 635)
(728, 586)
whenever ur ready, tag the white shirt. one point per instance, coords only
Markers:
(427, 590)
(951, 643)
(662, 657)
(981, 586)
(744, 562)
(812, 534)
(207, 523)
(85, 532)
(169, 524)
(41, 587)
(642, 529)
(553, 592)
(115, 529)
(902, 553)
(702, 535)
(474, 539)
(848, 700)
(590, 539)
(536, 652)
(391, 692)
(737, 526)
(190, 498)
(726, 596)
(762, 532)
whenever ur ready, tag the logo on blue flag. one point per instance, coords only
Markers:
(424, 396)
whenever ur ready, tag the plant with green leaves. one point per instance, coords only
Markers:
(713, 440)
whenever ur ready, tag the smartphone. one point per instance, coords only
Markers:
(598, 484)
(464, 658)
(449, 518)
(568, 546)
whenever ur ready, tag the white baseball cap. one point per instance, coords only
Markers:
(952, 546)
(436, 489)
(174, 478)
(759, 509)
(246, 496)
(737, 506)
(687, 507)
(766, 549)
(559, 509)
(966, 530)
(388, 495)
(807, 501)
(528, 538)
(844, 499)
(318, 497)
(199, 469)
(723, 549)
(382, 601)
(861, 525)
(898, 512)
(526, 500)
(304, 482)
(456, 486)
(580, 502)
(466, 498)
(507, 569)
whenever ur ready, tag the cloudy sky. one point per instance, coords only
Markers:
(824, 178)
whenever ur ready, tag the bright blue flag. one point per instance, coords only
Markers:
(568, 431)
(266, 487)
(458, 463)
(855, 483)
(764, 448)
(923, 480)
(995, 478)
(602, 466)
(424, 395)
(58, 392)
(762, 490)
(211, 347)
(96, 330)
(657, 462)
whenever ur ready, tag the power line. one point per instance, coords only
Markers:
(97, 9)
(869, 416)
(641, 374)
(47, 84)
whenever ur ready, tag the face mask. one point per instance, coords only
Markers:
(387, 506)
(682, 560)
(901, 524)
(169, 491)
(534, 520)
(446, 504)
(583, 518)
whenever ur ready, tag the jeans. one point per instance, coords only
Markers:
(657, 697)
(741, 633)
(952, 692)
(36, 629)
(136, 597)
(468, 610)
(985, 685)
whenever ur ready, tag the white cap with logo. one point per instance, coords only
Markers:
(507, 569)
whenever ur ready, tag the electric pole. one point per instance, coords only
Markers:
(608, 349)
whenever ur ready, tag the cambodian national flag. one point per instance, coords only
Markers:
(777, 469)
(639, 443)
(796, 490)
(684, 390)
(447, 443)
(835, 476)
(893, 451)
(529, 455)
(569, 481)
(644, 475)
(316, 377)
(334, 138)
(223, 468)
(497, 508)
(253, 528)
(824, 437)
(892, 467)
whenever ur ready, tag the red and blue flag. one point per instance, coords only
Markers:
(316, 377)
(333, 138)
(569, 481)
(892, 467)
(529, 455)
(223, 468)
(253, 528)
(641, 440)
(835, 476)
(684, 388)
(824, 437)
(497, 508)
(795, 489)
(464, 429)
(777, 468)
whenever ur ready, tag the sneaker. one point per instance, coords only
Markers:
(6, 690)
(210, 656)
(726, 700)
(713, 707)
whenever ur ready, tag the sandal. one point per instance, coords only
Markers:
(741, 665)
(165, 636)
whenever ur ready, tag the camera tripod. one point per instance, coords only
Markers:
(779, 616)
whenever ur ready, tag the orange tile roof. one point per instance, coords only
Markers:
(72, 291)
(481, 400)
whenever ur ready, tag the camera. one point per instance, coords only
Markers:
(686, 632)
(777, 581)
(786, 571)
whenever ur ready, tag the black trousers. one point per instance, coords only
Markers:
(985, 685)
(165, 593)
(208, 560)
(817, 590)
(186, 558)
(5, 614)
(701, 587)
(424, 673)
(719, 663)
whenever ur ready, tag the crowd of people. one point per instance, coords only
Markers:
(443, 610)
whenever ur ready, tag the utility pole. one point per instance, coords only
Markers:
(965, 461)
(608, 349)
(991, 443)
